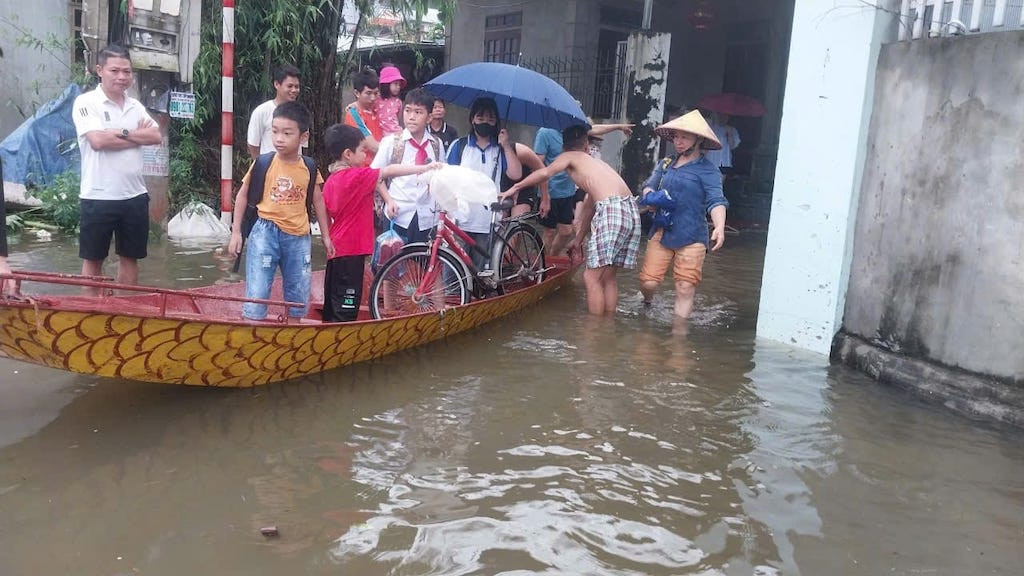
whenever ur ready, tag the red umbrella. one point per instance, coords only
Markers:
(732, 104)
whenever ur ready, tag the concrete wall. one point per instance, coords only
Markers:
(561, 29)
(827, 105)
(30, 77)
(549, 29)
(938, 266)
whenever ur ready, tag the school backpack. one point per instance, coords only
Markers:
(460, 144)
(257, 182)
(396, 158)
(398, 151)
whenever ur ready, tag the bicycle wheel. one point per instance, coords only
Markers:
(394, 287)
(518, 258)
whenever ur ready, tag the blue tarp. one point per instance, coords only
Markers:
(45, 145)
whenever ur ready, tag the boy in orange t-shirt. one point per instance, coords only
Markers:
(280, 237)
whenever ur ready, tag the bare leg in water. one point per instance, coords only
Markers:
(557, 239)
(602, 290)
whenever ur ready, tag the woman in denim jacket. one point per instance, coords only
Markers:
(695, 186)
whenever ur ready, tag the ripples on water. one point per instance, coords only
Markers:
(547, 443)
(606, 460)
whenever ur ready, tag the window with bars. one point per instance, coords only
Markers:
(75, 18)
(502, 36)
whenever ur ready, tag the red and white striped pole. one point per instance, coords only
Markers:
(227, 107)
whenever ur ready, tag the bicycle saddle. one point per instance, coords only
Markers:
(505, 204)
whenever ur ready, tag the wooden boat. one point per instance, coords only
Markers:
(198, 336)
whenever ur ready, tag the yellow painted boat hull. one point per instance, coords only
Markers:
(208, 352)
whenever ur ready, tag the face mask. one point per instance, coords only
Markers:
(484, 129)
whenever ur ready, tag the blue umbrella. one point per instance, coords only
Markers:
(525, 96)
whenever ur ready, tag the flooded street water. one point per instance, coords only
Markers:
(545, 443)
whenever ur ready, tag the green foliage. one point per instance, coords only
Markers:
(14, 222)
(60, 200)
(269, 33)
(188, 169)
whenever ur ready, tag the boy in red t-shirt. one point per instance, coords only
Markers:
(348, 195)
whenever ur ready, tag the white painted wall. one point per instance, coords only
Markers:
(832, 60)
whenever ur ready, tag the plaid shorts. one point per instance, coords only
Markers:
(614, 233)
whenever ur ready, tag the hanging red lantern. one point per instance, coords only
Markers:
(702, 17)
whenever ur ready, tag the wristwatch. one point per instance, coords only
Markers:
(124, 134)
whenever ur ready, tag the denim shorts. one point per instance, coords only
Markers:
(266, 249)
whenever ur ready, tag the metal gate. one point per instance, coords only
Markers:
(598, 82)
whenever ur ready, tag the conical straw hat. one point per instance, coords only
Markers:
(693, 123)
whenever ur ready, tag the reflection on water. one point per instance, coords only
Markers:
(550, 442)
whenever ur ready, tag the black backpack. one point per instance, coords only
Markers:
(257, 182)
(460, 144)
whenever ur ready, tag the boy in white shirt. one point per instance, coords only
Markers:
(414, 145)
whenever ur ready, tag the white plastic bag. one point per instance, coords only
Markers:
(454, 188)
(197, 220)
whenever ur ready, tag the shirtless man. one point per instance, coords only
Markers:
(610, 217)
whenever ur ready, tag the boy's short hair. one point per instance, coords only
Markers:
(294, 111)
(420, 96)
(112, 51)
(365, 78)
(575, 137)
(341, 137)
(282, 72)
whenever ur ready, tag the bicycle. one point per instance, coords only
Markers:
(437, 274)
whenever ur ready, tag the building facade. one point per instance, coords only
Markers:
(902, 283)
(716, 46)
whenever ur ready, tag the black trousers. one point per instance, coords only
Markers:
(343, 288)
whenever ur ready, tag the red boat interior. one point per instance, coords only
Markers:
(217, 302)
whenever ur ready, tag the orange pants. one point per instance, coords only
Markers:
(688, 261)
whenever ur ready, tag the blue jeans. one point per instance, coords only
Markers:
(266, 248)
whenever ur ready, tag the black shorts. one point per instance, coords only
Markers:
(528, 196)
(560, 213)
(343, 288)
(127, 221)
(580, 196)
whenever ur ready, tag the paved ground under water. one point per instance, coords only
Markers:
(548, 442)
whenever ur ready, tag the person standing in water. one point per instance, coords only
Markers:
(112, 128)
(695, 187)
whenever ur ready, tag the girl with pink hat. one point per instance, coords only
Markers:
(389, 105)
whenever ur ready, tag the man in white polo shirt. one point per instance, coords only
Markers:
(112, 127)
(259, 137)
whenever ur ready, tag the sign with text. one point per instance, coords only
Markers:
(183, 105)
(156, 159)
